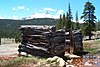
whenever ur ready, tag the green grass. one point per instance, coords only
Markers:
(31, 61)
(98, 51)
(90, 49)
(20, 60)
(97, 41)
(93, 46)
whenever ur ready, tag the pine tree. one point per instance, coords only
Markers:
(97, 25)
(69, 17)
(63, 21)
(59, 23)
(67, 23)
(0, 40)
(77, 22)
(89, 18)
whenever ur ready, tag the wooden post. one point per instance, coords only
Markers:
(71, 42)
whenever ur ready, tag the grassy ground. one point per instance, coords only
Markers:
(16, 62)
(27, 62)
(92, 46)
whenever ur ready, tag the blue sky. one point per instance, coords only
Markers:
(14, 9)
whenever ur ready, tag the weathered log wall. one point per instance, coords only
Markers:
(42, 42)
(48, 42)
(74, 41)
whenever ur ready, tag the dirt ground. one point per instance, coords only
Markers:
(8, 51)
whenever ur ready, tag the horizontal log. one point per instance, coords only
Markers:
(40, 44)
(38, 41)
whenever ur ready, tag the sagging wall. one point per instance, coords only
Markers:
(48, 42)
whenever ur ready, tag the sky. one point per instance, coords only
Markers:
(17, 9)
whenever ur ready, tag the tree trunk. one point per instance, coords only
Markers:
(89, 37)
